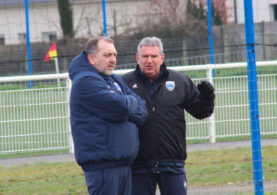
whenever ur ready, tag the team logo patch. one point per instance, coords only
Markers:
(117, 86)
(135, 86)
(170, 85)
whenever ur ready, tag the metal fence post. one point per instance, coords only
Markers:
(209, 72)
(70, 140)
(253, 98)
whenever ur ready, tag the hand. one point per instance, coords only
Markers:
(206, 89)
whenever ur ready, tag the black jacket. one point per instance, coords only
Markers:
(163, 136)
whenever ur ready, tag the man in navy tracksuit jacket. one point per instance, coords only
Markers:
(104, 115)
(162, 150)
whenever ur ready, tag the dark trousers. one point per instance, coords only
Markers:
(169, 183)
(114, 181)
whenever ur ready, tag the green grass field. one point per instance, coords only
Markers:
(203, 168)
(34, 123)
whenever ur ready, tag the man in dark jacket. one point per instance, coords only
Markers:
(104, 115)
(162, 151)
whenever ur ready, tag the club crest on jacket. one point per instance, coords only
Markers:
(117, 86)
(135, 86)
(170, 85)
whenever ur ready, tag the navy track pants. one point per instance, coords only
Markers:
(113, 181)
(169, 183)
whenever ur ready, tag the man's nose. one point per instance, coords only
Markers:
(149, 59)
(113, 58)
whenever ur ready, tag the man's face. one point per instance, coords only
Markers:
(150, 61)
(105, 59)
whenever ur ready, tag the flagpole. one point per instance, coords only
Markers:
(52, 54)
(57, 70)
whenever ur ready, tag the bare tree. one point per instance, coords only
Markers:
(173, 10)
(219, 10)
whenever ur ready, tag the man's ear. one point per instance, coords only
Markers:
(91, 59)
(163, 56)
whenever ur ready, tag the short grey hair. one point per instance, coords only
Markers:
(150, 41)
(92, 44)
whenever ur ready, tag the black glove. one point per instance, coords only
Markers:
(206, 90)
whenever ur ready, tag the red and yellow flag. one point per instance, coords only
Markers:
(52, 53)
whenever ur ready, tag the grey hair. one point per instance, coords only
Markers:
(150, 41)
(92, 44)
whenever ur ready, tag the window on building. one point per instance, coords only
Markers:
(22, 37)
(2, 39)
(49, 36)
(274, 12)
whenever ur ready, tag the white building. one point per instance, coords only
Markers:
(121, 16)
(263, 10)
(44, 19)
